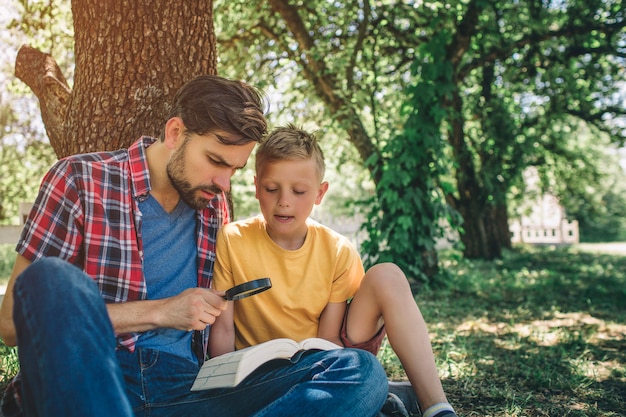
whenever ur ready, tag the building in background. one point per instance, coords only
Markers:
(542, 219)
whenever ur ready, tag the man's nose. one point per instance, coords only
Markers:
(222, 181)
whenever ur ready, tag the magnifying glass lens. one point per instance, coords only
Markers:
(248, 288)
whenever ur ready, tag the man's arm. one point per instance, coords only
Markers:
(7, 328)
(193, 309)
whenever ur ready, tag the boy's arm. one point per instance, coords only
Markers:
(331, 320)
(222, 333)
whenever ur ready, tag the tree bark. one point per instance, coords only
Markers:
(131, 57)
(501, 222)
(44, 77)
(485, 230)
(325, 84)
(483, 235)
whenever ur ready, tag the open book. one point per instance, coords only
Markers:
(230, 369)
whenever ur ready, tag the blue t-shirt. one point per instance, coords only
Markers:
(170, 267)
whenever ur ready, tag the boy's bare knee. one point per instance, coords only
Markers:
(386, 269)
(386, 278)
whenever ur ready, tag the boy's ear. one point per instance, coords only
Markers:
(174, 129)
(256, 188)
(321, 192)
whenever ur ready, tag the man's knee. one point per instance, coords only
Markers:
(54, 280)
(44, 272)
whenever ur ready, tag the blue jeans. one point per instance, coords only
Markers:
(70, 366)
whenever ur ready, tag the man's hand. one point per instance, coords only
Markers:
(193, 309)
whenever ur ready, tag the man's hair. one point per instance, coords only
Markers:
(290, 143)
(210, 103)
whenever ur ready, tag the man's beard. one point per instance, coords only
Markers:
(176, 173)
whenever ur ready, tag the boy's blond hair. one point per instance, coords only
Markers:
(290, 143)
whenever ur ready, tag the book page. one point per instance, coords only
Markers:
(318, 343)
(230, 369)
(219, 373)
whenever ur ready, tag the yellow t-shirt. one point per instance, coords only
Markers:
(326, 269)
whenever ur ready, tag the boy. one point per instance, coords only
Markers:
(314, 273)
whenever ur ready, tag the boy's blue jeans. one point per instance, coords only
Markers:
(70, 366)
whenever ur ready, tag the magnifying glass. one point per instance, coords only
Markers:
(247, 289)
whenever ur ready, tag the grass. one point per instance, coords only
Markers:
(8, 356)
(7, 257)
(538, 333)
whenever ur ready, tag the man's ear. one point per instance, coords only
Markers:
(174, 132)
(321, 192)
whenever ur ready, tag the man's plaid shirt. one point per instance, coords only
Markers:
(87, 213)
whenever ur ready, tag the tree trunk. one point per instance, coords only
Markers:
(480, 228)
(501, 223)
(131, 56)
(482, 223)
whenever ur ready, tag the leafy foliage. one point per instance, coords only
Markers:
(526, 73)
(21, 168)
(7, 258)
(9, 364)
(25, 152)
(404, 221)
(522, 71)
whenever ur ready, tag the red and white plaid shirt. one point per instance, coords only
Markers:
(87, 213)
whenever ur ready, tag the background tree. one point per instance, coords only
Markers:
(130, 57)
(518, 72)
(332, 57)
(25, 153)
(409, 181)
(540, 54)
(509, 81)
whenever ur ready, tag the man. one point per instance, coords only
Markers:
(109, 300)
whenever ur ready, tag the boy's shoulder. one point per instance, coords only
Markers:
(323, 232)
(248, 225)
(322, 228)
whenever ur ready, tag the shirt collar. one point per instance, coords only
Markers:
(139, 166)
